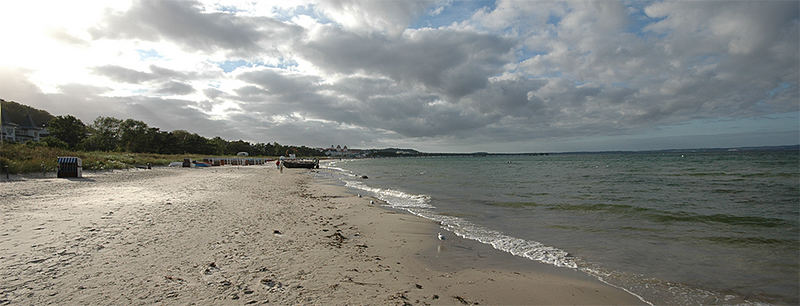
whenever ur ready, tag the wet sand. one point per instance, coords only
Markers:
(239, 235)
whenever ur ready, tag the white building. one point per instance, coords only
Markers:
(8, 131)
(337, 151)
(343, 151)
(13, 132)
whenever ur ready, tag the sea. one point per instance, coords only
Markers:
(668, 227)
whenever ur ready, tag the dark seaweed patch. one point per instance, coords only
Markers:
(516, 204)
(717, 218)
(661, 216)
(749, 241)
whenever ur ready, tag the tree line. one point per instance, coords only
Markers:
(112, 134)
(16, 112)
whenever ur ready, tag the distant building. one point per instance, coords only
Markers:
(343, 151)
(8, 129)
(336, 151)
(26, 131)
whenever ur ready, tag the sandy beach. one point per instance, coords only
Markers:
(249, 235)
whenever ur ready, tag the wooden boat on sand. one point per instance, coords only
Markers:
(301, 163)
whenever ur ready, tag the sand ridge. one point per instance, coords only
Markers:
(236, 235)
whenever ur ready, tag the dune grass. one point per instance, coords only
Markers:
(31, 158)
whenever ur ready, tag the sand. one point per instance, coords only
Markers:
(242, 235)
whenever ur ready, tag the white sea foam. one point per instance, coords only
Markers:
(343, 171)
(393, 198)
(420, 205)
(532, 250)
(601, 276)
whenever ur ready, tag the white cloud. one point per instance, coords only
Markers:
(365, 16)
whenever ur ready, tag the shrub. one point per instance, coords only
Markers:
(26, 158)
(54, 142)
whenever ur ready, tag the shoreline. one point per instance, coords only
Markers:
(468, 268)
(241, 235)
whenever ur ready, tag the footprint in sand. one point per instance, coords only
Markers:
(212, 267)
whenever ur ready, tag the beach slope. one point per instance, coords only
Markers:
(240, 235)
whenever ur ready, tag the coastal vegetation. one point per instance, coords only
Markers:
(112, 143)
(109, 134)
(38, 157)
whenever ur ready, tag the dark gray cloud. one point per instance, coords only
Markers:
(251, 94)
(298, 131)
(177, 114)
(175, 88)
(65, 37)
(450, 62)
(162, 72)
(125, 75)
(186, 23)
(275, 82)
(171, 80)
(378, 104)
(508, 97)
(213, 93)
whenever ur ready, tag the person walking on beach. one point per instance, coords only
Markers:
(277, 164)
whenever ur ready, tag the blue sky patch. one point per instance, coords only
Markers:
(228, 8)
(456, 11)
(231, 65)
(525, 53)
(771, 123)
(553, 19)
(147, 54)
(781, 88)
(308, 10)
(638, 19)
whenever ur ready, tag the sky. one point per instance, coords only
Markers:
(436, 76)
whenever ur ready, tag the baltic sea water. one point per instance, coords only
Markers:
(673, 228)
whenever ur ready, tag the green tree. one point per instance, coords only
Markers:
(181, 141)
(104, 136)
(219, 145)
(278, 149)
(161, 142)
(239, 146)
(269, 149)
(200, 145)
(259, 149)
(134, 136)
(185, 142)
(67, 129)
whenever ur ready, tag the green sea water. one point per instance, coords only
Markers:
(673, 228)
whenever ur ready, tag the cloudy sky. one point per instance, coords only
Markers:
(437, 76)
